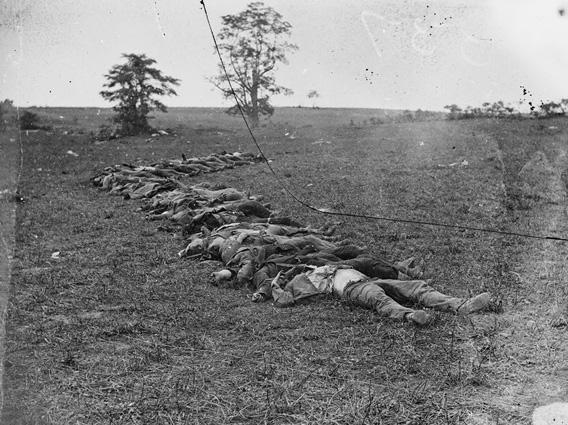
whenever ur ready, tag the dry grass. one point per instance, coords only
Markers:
(119, 330)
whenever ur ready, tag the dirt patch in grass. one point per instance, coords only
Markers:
(117, 329)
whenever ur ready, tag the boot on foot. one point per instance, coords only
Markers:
(477, 303)
(418, 317)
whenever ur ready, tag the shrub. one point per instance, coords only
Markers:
(551, 109)
(106, 132)
(29, 121)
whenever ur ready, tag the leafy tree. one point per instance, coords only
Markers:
(135, 86)
(313, 94)
(498, 109)
(551, 109)
(7, 104)
(252, 43)
(6, 107)
(454, 110)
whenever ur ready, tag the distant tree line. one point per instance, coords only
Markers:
(399, 117)
(500, 110)
(27, 120)
(418, 115)
(553, 109)
(488, 110)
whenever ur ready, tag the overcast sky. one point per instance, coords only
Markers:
(405, 54)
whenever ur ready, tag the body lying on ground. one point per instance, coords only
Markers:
(124, 179)
(260, 248)
(385, 296)
(259, 255)
(275, 256)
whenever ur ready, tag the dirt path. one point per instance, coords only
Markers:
(9, 166)
(530, 367)
(540, 346)
(518, 354)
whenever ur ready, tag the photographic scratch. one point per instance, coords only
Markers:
(158, 18)
(365, 18)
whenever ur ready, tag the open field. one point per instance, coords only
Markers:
(120, 330)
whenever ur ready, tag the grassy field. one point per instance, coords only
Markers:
(119, 330)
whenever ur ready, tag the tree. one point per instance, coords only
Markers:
(455, 112)
(552, 109)
(7, 104)
(252, 43)
(313, 94)
(6, 108)
(135, 86)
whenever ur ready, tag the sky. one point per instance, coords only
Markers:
(396, 54)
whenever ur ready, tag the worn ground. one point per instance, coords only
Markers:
(119, 330)
(10, 162)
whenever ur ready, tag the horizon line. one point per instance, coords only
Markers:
(226, 107)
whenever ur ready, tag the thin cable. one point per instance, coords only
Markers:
(347, 214)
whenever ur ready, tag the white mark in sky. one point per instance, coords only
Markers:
(466, 57)
(158, 18)
(365, 15)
